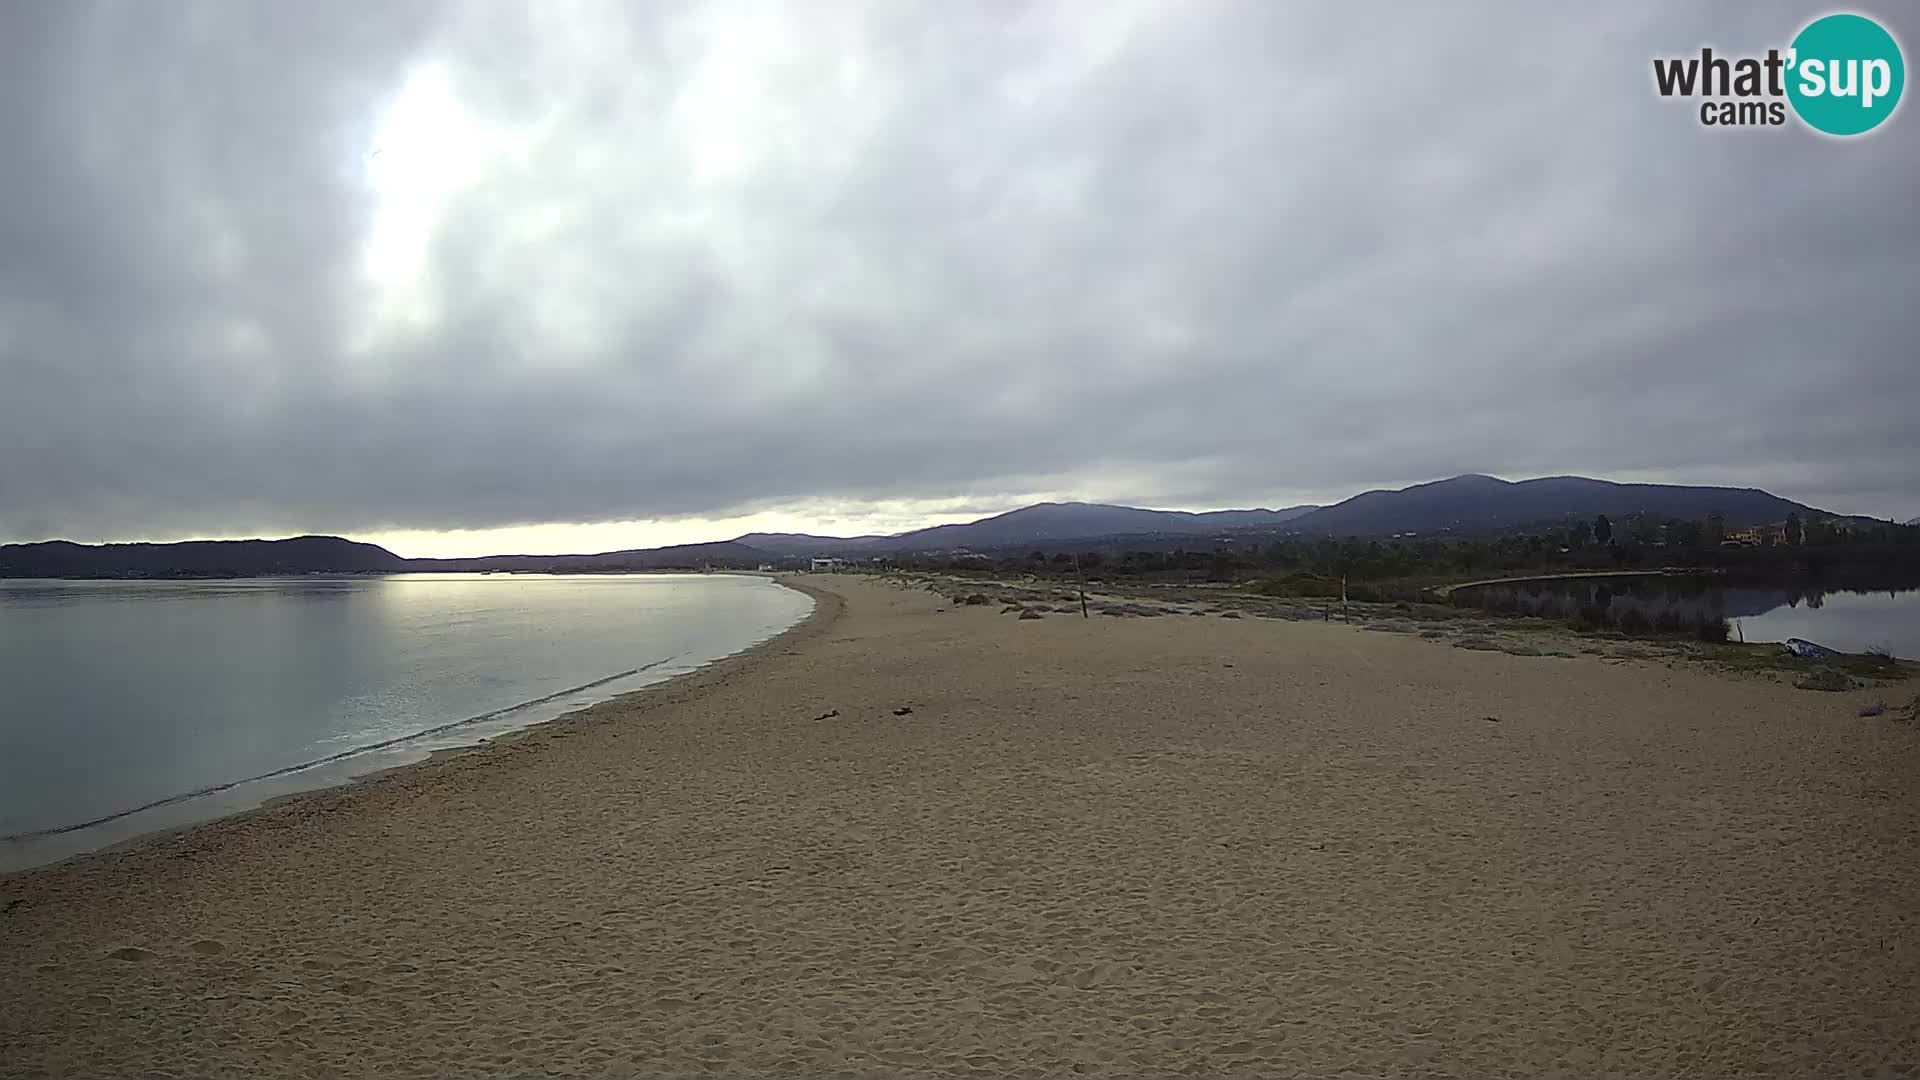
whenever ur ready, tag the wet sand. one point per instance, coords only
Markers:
(1121, 846)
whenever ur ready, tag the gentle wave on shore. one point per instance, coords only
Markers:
(324, 681)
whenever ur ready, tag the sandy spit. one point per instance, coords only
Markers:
(1121, 846)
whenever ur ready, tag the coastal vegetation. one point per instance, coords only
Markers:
(1690, 565)
(1408, 568)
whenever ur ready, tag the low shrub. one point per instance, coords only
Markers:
(1300, 584)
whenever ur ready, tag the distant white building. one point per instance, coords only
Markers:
(825, 564)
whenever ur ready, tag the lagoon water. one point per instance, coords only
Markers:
(1850, 620)
(208, 696)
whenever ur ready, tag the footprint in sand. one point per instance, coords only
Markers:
(208, 947)
(130, 952)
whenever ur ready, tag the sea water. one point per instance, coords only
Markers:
(128, 706)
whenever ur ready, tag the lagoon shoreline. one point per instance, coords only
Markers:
(912, 838)
(198, 732)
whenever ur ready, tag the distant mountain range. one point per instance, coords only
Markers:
(198, 558)
(679, 556)
(1045, 523)
(1040, 524)
(1461, 505)
(803, 543)
(1476, 503)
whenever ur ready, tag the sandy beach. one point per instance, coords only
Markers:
(912, 838)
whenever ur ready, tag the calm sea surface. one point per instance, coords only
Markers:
(116, 695)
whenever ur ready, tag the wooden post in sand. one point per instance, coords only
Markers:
(1343, 599)
(1081, 580)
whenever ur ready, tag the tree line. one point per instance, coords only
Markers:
(1879, 555)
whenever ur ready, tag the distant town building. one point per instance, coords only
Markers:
(1757, 535)
(825, 564)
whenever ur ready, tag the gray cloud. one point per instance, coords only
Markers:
(618, 261)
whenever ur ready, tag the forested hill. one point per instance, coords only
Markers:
(197, 558)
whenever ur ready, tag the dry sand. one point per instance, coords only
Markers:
(1118, 846)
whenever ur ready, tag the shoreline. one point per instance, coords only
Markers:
(1509, 631)
(348, 780)
(1446, 591)
(918, 837)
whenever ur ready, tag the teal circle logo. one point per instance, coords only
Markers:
(1846, 74)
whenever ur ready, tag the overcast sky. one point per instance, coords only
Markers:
(563, 276)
